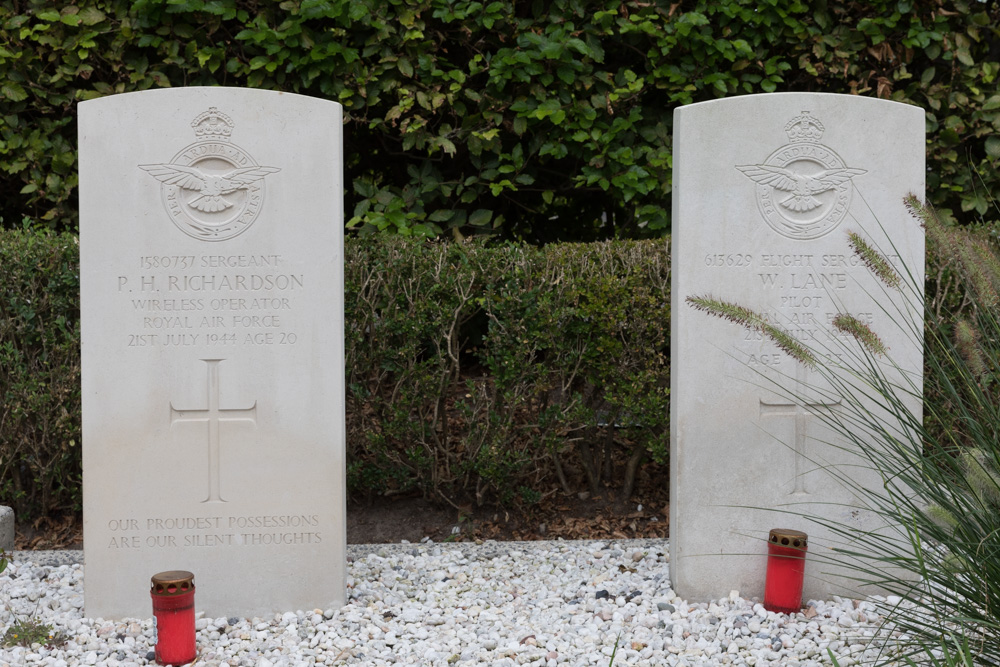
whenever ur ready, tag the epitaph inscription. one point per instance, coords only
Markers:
(213, 532)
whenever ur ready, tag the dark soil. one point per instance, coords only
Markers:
(572, 516)
(568, 518)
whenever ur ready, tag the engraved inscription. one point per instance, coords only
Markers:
(804, 188)
(214, 531)
(239, 281)
(801, 291)
(213, 416)
(212, 300)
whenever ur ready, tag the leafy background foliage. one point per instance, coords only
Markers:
(541, 120)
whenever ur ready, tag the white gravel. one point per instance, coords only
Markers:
(499, 604)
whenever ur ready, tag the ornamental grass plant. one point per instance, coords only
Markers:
(936, 562)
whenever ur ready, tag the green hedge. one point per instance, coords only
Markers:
(39, 372)
(475, 373)
(481, 372)
(535, 119)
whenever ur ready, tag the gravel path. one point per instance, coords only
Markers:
(498, 603)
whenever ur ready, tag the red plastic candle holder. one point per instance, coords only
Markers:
(173, 612)
(786, 564)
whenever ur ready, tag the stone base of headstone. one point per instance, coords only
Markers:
(6, 529)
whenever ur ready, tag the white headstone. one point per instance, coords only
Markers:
(211, 251)
(765, 190)
(6, 528)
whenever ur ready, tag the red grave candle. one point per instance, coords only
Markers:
(173, 611)
(786, 562)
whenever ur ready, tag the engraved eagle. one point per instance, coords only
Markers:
(802, 186)
(211, 187)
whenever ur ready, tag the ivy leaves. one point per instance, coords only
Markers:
(536, 120)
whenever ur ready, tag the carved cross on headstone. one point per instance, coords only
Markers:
(802, 412)
(213, 415)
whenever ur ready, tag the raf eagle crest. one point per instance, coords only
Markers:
(212, 190)
(210, 187)
(804, 189)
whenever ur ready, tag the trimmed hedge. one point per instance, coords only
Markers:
(480, 372)
(541, 120)
(39, 372)
(475, 373)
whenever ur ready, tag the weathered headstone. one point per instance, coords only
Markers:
(212, 324)
(6, 528)
(765, 190)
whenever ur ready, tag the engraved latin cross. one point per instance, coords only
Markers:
(802, 412)
(214, 416)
